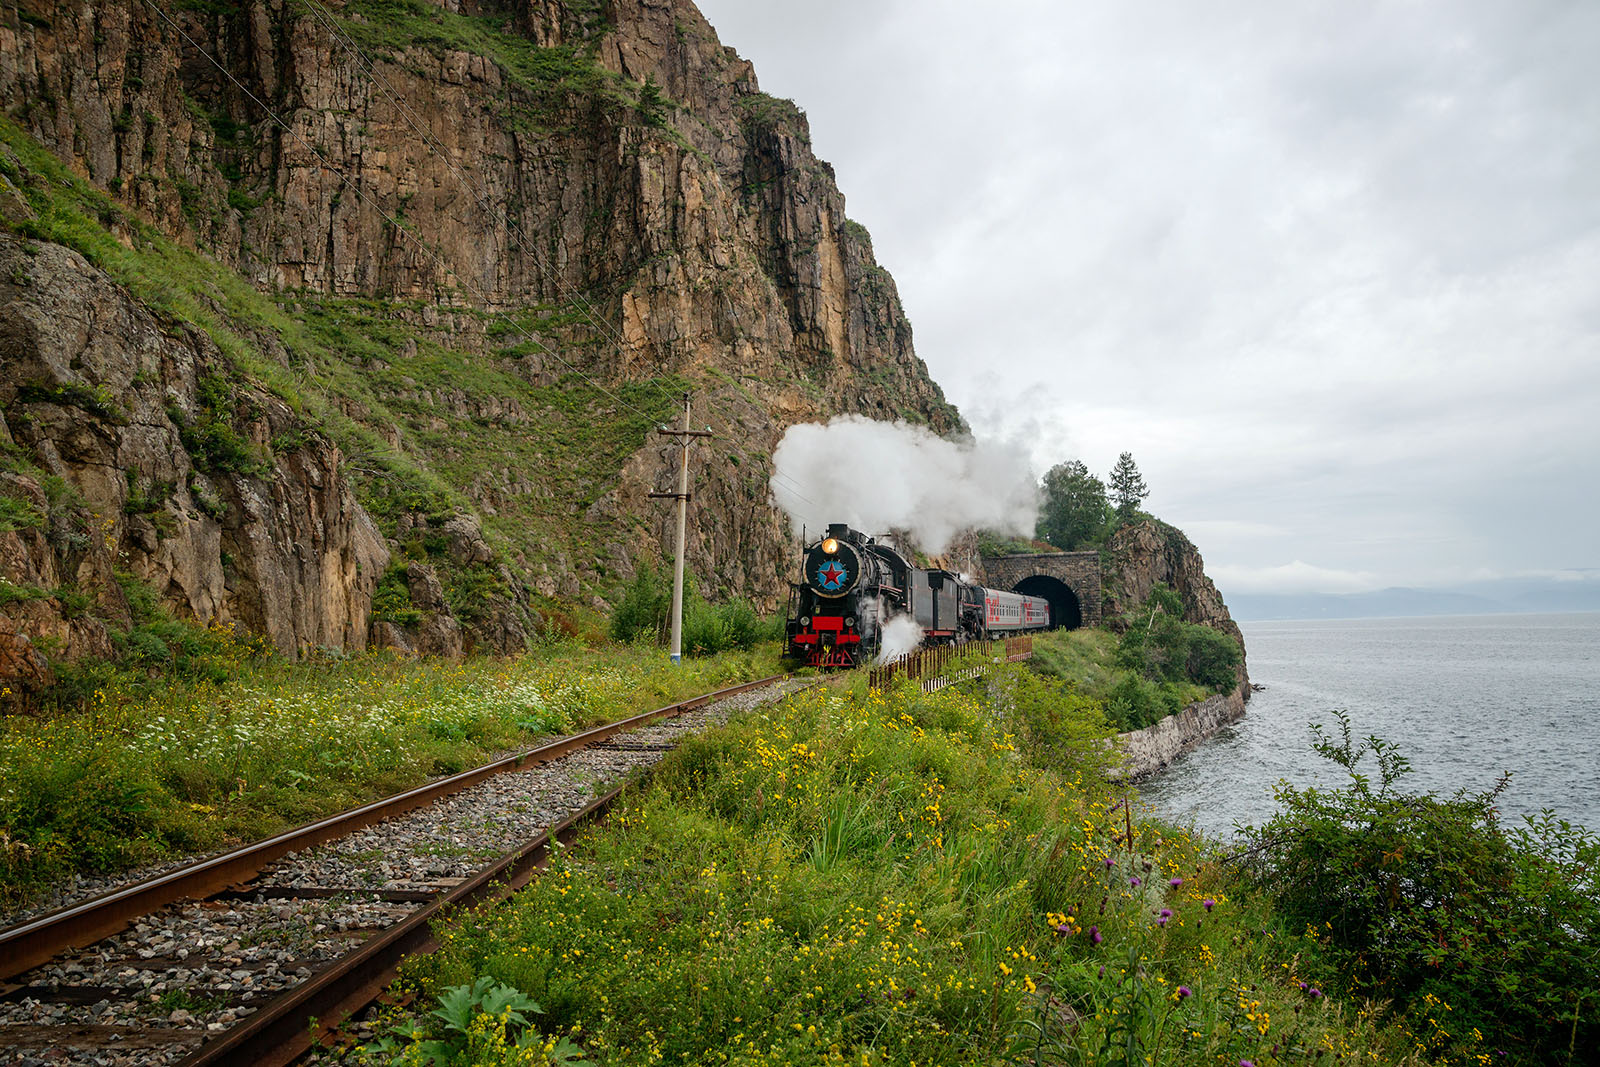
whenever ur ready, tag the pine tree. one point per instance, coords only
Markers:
(1127, 487)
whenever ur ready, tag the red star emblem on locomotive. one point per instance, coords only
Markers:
(831, 575)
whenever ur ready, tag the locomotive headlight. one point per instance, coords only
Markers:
(850, 623)
(805, 620)
(831, 545)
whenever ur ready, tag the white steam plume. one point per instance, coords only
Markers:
(901, 634)
(882, 475)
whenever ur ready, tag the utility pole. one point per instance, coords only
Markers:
(686, 437)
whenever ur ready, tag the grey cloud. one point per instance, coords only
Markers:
(1326, 268)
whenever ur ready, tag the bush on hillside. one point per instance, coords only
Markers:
(1426, 900)
(1213, 658)
(645, 614)
(1161, 647)
(1134, 702)
(641, 615)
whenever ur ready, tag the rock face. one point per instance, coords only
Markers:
(1146, 554)
(491, 241)
(101, 398)
(1151, 750)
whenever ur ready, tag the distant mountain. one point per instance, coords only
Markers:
(1503, 596)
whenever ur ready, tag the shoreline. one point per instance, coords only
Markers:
(1150, 750)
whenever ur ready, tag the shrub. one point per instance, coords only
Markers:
(1427, 900)
(1155, 645)
(391, 600)
(642, 612)
(96, 400)
(1160, 646)
(17, 514)
(645, 614)
(1136, 702)
(712, 628)
(1213, 659)
(473, 592)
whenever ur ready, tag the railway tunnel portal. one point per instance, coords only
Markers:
(1070, 581)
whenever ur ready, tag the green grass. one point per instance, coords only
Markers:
(1088, 658)
(766, 113)
(549, 85)
(17, 513)
(248, 743)
(869, 878)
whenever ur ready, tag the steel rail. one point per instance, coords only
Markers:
(29, 944)
(286, 1027)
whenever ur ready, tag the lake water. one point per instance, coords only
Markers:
(1465, 698)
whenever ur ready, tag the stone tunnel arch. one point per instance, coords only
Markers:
(1065, 611)
(1070, 581)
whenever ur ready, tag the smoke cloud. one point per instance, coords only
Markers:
(901, 635)
(882, 475)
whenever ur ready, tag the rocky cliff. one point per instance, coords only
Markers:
(1146, 554)
(353, 321)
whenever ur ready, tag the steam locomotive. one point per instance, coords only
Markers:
(854, 587)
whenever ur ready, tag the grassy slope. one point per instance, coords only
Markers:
(892, 878)
(1087, 658)
(146, 772)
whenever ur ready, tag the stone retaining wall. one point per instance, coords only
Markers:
(1153, 748)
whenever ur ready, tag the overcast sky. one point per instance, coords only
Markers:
(1330, 271)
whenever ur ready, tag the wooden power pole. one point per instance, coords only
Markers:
(685, 437)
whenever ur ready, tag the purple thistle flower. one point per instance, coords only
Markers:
(1166, 913)
(1176, 882)
(1314, 992)
(1247, 1063)
(1134, 881)
(1063, 928)
(1094, 935)
(1103, 974)
(1208, 903)
(1184, 991)
(1110, 863)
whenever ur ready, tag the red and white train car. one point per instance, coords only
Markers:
(1004, 611)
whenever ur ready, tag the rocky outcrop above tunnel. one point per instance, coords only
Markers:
(1146, 554)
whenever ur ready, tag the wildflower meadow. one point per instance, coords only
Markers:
(868, 877)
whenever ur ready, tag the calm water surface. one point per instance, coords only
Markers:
(1465, 697)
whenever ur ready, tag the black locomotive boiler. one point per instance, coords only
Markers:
(853, 587)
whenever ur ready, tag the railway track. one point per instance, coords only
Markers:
(227, 960)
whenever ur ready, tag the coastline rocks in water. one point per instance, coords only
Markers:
(1153, 748)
